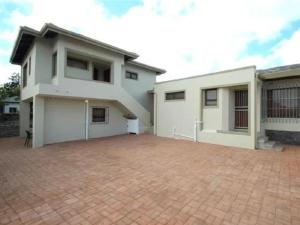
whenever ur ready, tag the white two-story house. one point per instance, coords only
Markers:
(74, 87)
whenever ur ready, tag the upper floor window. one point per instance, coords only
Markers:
(211, 97)
(29, 66)
(54, 64)
(100, 115)
(101, 72)
(178, 95)
(77, 63)
(131, 75)
(24, 75)
(283, 103)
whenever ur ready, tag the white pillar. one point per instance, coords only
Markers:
(38, 122)
(86, 119)
(24, 115)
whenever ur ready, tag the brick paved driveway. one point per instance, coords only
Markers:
(147, 180)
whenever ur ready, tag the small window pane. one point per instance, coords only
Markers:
(99, 115)
(24, 75)
(77, 63)
(179, 95)
(29, 64)
(12, 110)
(211, 97)
(131, 75)
(54, 64)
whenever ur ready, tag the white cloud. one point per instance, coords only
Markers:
(211, 33)
(288, 50)
(6, 71)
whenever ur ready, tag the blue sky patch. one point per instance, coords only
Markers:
(6, 8)
(119, 7)
(265, 48)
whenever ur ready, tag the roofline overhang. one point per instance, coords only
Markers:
(158, 71)
(49, 27)
(279, 72)
(22, 30)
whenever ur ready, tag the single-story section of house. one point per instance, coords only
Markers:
(242, 107)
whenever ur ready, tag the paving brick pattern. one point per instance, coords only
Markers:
(147, 180)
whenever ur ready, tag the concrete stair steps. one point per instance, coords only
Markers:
(265, 144)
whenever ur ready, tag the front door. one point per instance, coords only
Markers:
(241, 109)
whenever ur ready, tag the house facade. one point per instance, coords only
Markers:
(74, 87)
(243, 107)
(11, 105)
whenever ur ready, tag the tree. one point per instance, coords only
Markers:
(11, 88)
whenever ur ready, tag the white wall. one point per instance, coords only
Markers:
(65, 120)
(139, 88)
(63, 85)
(116, 124)
(44, 52)
(182, 114)
(24, 117)
(26, 92)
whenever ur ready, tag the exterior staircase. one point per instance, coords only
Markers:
(263, 143)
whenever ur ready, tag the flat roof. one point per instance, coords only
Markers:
(279, 69)
(278, 72)
(206, 74)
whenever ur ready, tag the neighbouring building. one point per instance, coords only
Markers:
(10, 105)
(74, 87)
(243, 107)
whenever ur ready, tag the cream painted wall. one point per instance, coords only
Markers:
(24, 118)
(49, 114)
(139, 88)
(71, 113)
(79, 73)
(116, 125)
(89, 52)
(182, 114)
(26, 92)
(44, 51)
(64, 120)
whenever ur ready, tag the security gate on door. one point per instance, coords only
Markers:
(241, 109)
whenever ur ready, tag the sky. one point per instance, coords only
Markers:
(185, 37)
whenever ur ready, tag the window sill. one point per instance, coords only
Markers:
(211, 107)
(98, 123)
(237, 132)
(84, 80)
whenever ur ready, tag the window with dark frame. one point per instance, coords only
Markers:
(77, 63)
(177, 95)
(211, 97)
(99, 115)
(12, 110)
(24, 76)
(131, 75)
(283, 103)
(29, 66)
(54, 64)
